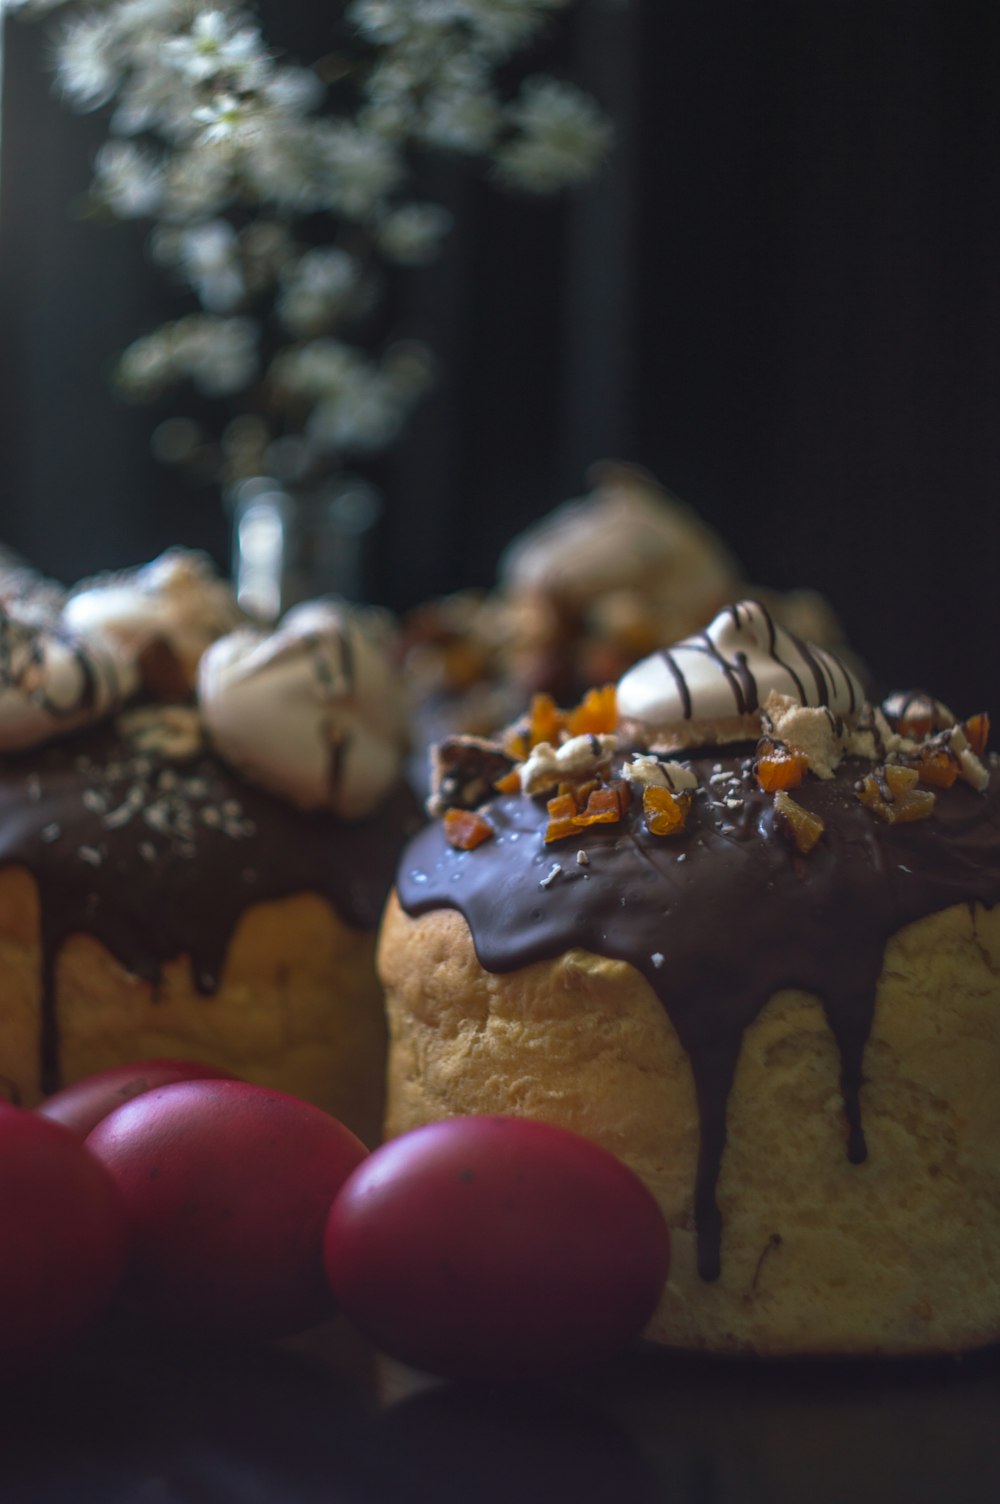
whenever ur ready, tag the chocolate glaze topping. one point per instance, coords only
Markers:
(722, 917)
(158, 859)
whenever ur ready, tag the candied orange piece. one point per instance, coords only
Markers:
(581, 792)
(603, 807)
(900, 778)
(510, 783)
(562, 814)
(546, 720)
(977, 730)
(465, 829)
(804, 828)
(937, 769)
(597, 712)
(665, 812)
(891, 795)
(780, 768)
(918, 805)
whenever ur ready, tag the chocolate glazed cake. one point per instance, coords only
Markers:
(200, 880)
(766, 973)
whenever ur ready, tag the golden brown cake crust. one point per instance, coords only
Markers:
(898, 1255)
(297, 1006)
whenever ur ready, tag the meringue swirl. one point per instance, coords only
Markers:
(53, 682)
(311, 711)
(726, 672)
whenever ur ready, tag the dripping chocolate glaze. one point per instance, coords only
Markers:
(741, 917)
(158, 859)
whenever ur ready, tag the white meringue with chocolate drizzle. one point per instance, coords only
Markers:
(710, 688)
(310, 711)
(164, 615)
(52, 682)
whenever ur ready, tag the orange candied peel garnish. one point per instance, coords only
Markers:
(562, 814)
(938, 768)
(585, 804)
(465, 829)
(804, 827)
(892, 795)
(510, 783)
(604, 805)
(546, 720)
(779, 767)
(596, 713)
(665, 812)
(977, 731)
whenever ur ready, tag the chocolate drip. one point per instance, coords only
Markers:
(160, 859)
(741, 918)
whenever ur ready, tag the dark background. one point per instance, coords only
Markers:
(783, 298)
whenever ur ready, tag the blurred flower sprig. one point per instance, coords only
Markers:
(282, 195)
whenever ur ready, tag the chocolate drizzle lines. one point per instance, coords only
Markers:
(682, 685)
(772, 637)
(737, 923)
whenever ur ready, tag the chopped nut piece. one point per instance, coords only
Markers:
(578, 759)
(171, 731)
(779, 767)
(665, 812)
(466, 829)
(464, 771)
(803, 827)
(666, 774)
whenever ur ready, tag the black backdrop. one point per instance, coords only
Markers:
(782, 298)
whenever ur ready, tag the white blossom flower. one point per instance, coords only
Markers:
(88, 69)
(321, 287)
(320, 368)
(461, 111)
(129, 179)
(216, 46)
(152, 100)
(292, 91)
(218, 355)
(359, 169)
(196, 184)
(499, 25)
(280, 165)
(561, 137)
(209, 258)
(146, 367)
(412, 233)
(238, 139)
(228, 119)
(363, 417)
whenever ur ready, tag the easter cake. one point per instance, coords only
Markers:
(199, 821)
(740, 926)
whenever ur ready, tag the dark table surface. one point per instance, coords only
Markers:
(132, 1420)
